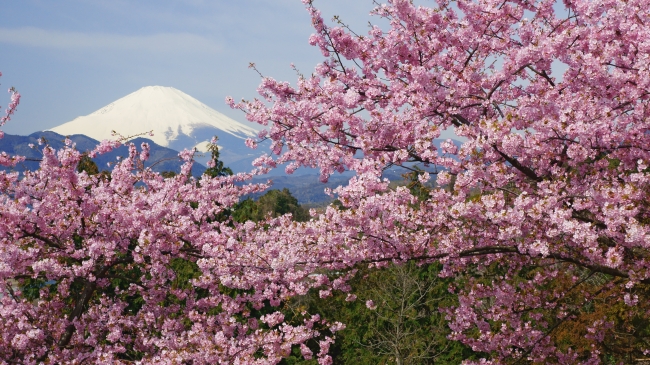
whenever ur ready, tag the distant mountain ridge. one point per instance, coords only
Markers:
(304, 185)
(161, 158)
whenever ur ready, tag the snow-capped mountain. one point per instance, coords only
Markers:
(177, 120)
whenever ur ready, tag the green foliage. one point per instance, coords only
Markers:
(218, 169)
(274, 203)
(421, 191)
(167, 174)
(88, 165)
(246, 210)
(31, 287)
(407, 326)
(185, 271)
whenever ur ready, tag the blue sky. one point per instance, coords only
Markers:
(71, 57)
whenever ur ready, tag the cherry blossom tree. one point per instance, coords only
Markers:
(547, 191)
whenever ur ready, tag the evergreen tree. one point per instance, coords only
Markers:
(88, 165)
(216, 166)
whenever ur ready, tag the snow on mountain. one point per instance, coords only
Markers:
(177, 120)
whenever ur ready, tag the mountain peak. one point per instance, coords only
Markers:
(174, 117)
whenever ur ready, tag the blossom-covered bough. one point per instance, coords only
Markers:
(543, 208)
(541, 213)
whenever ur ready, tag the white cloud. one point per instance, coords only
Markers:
(159, 43)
